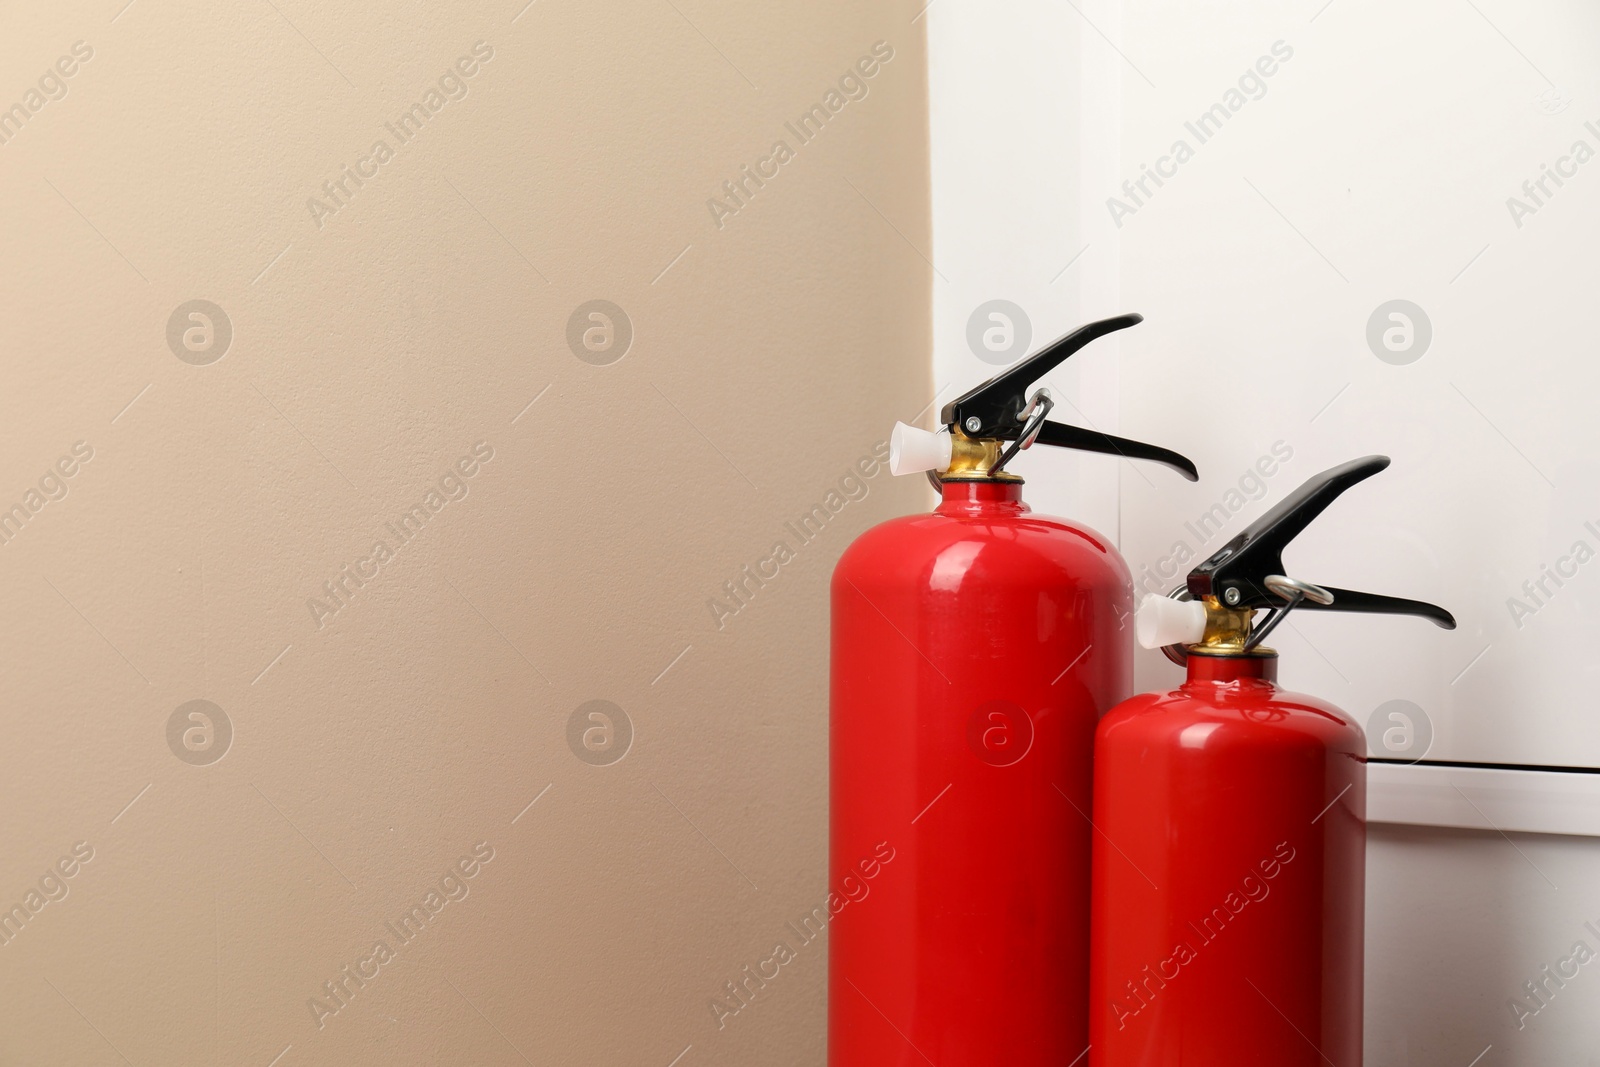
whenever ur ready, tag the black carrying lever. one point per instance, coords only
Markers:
(996, 408)
(1242, 572)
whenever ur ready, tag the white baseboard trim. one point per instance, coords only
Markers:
(1484, 798)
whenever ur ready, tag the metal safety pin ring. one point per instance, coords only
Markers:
(1293, 591)
(1034, 414)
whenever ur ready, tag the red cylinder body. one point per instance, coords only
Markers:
(1229, 876)
(973, 652)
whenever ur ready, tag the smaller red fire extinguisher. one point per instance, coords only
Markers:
(1229, 866)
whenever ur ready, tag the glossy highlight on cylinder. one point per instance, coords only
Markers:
(974, 650)
(1228, 875)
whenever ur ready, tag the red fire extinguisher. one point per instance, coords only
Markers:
(973, 651)
(1229, 861)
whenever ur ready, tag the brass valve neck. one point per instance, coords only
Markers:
(1227, 632)
(972, 459)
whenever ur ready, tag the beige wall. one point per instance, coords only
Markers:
(375, 745)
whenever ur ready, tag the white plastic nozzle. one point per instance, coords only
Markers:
(1162, 621)
(912, 451)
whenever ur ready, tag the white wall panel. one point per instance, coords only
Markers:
(1016, 92)
(1457, 922)
(1375, 165)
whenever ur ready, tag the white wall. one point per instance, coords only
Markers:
(1015, 92)
(1374, 166)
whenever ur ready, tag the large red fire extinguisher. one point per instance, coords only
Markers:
(1229, 862)
(973, 651)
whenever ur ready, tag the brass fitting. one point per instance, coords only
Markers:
(972, 459)
(1227, 632)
